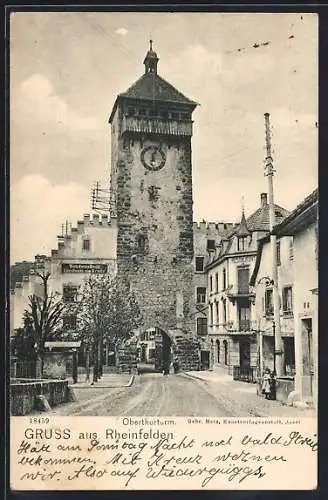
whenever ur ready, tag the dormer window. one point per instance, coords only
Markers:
(142, 112)
(241, 243)
(130, 111)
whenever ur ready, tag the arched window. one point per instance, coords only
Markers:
(218, 350)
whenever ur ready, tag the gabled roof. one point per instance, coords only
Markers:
(260, 219)
(284, 227)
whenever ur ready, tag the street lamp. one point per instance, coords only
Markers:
(270, 282)
(274, 343)
(266, 280)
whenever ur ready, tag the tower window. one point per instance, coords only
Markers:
(86, 245)
(141, 243)
(199, 264)
(153, 112)
(210, 245)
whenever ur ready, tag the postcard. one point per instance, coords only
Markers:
(163, 251)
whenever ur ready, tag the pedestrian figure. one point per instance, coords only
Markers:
(166, 367)
(266, 387)
(272, 383)
(176, 366)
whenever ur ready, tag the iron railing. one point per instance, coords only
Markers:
(244, 373)
(23, 369)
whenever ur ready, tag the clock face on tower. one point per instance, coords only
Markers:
(153, 158)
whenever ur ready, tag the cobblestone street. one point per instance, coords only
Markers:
(184, 394)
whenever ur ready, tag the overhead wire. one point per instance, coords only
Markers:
(105, 34)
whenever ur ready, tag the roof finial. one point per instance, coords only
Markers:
(151, 60)
(243, 229)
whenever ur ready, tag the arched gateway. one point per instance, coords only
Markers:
(151, 197)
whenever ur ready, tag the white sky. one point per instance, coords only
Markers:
(67, 68)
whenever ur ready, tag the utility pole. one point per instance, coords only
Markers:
(269, 171)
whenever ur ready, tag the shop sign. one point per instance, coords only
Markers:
(84, 268)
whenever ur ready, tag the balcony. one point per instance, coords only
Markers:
(235, 293)
(154, 125)
(241, 327)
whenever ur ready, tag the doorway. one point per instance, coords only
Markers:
(162, 351)
(204, 360)
(244, 353)
(225, 347)
(307, 348)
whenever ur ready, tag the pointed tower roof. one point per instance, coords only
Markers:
(242, 230)
(151, 87)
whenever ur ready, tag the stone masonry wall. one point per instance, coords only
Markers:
(156, 207)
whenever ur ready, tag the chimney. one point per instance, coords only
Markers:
(264, 199)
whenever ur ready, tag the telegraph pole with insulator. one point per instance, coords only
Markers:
(269, 172)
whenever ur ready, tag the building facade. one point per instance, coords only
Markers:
(232, 321)
(208, 236)
(264, 312)
(88, 248)
(151, 194)
(302, 228)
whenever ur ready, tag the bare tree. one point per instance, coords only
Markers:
(44, 313)
(108, 312)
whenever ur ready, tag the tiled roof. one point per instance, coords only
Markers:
(306, 203)
(260, 219)
(151, 86)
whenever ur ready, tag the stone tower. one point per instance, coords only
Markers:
(151, 196)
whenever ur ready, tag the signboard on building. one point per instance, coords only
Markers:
(243, 259)
(84, 268)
